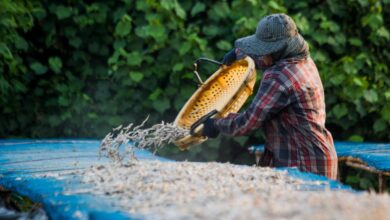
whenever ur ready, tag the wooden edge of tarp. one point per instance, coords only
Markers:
(360, 164)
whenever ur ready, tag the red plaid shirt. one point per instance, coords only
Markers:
(290, 108)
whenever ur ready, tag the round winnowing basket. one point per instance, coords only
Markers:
(225, 91)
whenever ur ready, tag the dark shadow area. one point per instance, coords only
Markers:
(15, 206)
(363, 180)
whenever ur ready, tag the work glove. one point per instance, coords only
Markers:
(209, 128)
(229, 57)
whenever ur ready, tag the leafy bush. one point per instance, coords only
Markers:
(79, 68)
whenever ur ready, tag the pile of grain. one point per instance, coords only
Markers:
(187, 190)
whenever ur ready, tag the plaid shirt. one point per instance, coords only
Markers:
(290, 108)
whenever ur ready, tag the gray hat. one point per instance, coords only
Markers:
(273, 32)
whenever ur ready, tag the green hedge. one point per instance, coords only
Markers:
(77, 68)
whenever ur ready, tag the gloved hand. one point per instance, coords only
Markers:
(229, 57)
(209, 128)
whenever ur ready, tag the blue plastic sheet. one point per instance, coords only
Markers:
(22, 160)
(376, 155)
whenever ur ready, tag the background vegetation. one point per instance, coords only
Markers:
(75, 69)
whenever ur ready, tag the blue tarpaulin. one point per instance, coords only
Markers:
(25, 163)
(376, 155)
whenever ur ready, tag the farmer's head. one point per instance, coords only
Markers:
(276, 35)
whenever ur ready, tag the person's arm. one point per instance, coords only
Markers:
(269, 100)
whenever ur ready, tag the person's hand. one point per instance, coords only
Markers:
(229, 57)
(209, 128)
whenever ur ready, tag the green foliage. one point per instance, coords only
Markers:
(79, 68)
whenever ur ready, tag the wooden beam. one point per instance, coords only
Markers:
(357, 163)
(382, 187)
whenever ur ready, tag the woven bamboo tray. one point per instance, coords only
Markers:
(225, 91)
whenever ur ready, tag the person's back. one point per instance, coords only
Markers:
(297, 135)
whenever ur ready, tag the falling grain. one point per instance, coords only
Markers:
(129, 137)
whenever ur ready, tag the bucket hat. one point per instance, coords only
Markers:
(273, 32)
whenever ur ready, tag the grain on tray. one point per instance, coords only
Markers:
(190, 190)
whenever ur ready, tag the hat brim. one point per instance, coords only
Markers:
(253, 46)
